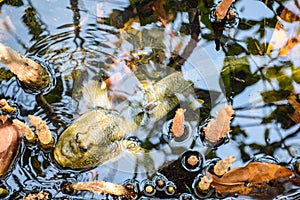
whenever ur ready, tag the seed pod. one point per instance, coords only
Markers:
(148, 187)
(9, 144)
(170, 189)
(192, 161)
(201, 186)
(160, 182)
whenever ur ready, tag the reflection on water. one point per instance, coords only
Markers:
(96, 39)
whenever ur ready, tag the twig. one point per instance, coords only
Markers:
(28, 71)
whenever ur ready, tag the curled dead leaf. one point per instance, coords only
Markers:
(252, 179)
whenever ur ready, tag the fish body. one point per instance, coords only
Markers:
(96, 136)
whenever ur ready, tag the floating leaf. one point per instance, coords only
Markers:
(292, 42)
(252, 179)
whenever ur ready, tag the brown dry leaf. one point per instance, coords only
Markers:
(102, 187)
(178, 123)
(221, 167)
(43, 132)
(217, 128)
(251, 178)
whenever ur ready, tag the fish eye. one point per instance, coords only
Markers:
(84, 149)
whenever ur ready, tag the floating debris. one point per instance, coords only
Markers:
(25, 129)
(102, 187)
(222, 166)
(43, 132)
(28, 71)
(204, 183)
(192, 161)
(5, 107)
(217, 128)
(178, 123)
(42, 195)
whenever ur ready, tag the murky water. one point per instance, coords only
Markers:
(86, 40)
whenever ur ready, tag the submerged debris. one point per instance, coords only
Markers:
(43, 132)
(217, 128)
